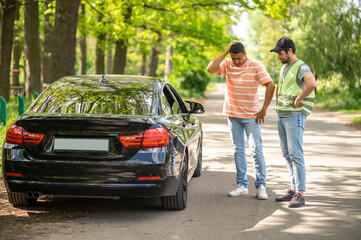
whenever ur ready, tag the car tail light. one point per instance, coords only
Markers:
(149, 178)
(14, 174)
(155, 137)
(18, 135)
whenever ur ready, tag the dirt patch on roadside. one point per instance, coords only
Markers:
(345, 118)
(15, 221)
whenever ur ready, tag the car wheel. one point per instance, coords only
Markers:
(178, 201)
(198, 171)
(20, 199)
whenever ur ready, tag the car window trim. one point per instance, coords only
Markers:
(178, 98)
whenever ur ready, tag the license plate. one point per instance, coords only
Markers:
(81, 144)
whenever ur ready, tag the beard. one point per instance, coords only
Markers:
(286, 59)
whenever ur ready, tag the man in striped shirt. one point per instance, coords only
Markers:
(243, 76)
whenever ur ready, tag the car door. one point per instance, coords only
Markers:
(190, 127)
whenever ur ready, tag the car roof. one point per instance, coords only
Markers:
(121, 81)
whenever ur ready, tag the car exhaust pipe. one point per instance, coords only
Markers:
(36, 194)
(29, 194)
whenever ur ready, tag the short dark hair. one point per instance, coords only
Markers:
(237, 48)
(293, 50)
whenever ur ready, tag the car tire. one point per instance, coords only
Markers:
(19, 199)
(178, 201)
(198, 171)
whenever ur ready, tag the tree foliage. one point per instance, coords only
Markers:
(190, 33)
(330, 38)
(327, 35)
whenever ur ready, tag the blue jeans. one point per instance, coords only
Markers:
(290, 131)
(253, 132)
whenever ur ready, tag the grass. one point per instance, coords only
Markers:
(12, 113)
(343, 102)
(356, 119)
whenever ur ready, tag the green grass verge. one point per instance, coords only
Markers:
(12, 113)
(356, 120)
(341, 101)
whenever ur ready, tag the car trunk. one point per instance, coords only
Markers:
(82, 137)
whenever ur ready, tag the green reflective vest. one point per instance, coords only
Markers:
(288, 91)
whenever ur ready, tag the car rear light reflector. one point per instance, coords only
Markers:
(133, 141)
(18, 135)
(149, 178)
(154, 137)
(14, 174)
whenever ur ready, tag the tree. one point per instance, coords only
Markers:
(32, 47)
(82, 41)
(154, 56)
(6, 43)
(263, 34)
(64, 38)
(17, 47)
(120, 56)
(330, 38)
(100, 46)
(46, 71)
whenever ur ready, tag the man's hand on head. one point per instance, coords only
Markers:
(231, 44)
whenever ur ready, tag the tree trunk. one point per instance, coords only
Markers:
(46, 77)
(100, 54)
(168, 64)
(16, 50)
(32, 47)
(144, 64)
(120, 57)
(109, 56)
(153, 59)
(83, 46)
(16, 63)
(6, 44)
(1, 15)
(64, 38)
(83, 54)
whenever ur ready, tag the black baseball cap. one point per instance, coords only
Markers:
(283, 43)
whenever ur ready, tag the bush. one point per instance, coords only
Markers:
(333, 93)
(195, 83)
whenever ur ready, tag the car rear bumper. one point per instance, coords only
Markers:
(164, 187)
(90, 178)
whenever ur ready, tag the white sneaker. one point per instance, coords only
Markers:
(261, 193)
(240, 190)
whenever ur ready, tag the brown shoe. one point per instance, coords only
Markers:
(286, 197)
(297, 201)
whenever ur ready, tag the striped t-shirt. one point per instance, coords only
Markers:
(241, 97)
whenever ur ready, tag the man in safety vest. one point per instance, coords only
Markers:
(294, 102)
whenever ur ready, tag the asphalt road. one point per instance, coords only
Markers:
(333, 197)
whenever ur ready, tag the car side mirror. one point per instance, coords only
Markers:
(195, 107)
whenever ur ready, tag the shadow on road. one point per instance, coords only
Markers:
(327, 214)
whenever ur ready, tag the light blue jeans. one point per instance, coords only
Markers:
(290, 131)
(253, 132)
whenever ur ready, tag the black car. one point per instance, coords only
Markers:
(107, 136)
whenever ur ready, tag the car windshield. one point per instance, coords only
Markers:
(90, 96)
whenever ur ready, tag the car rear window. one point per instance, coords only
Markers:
(94, 97)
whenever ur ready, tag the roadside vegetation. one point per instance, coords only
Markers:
(12, 114)
(327, 35)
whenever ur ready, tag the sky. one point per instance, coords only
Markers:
(240, 30)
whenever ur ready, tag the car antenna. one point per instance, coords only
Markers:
(103, 79)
